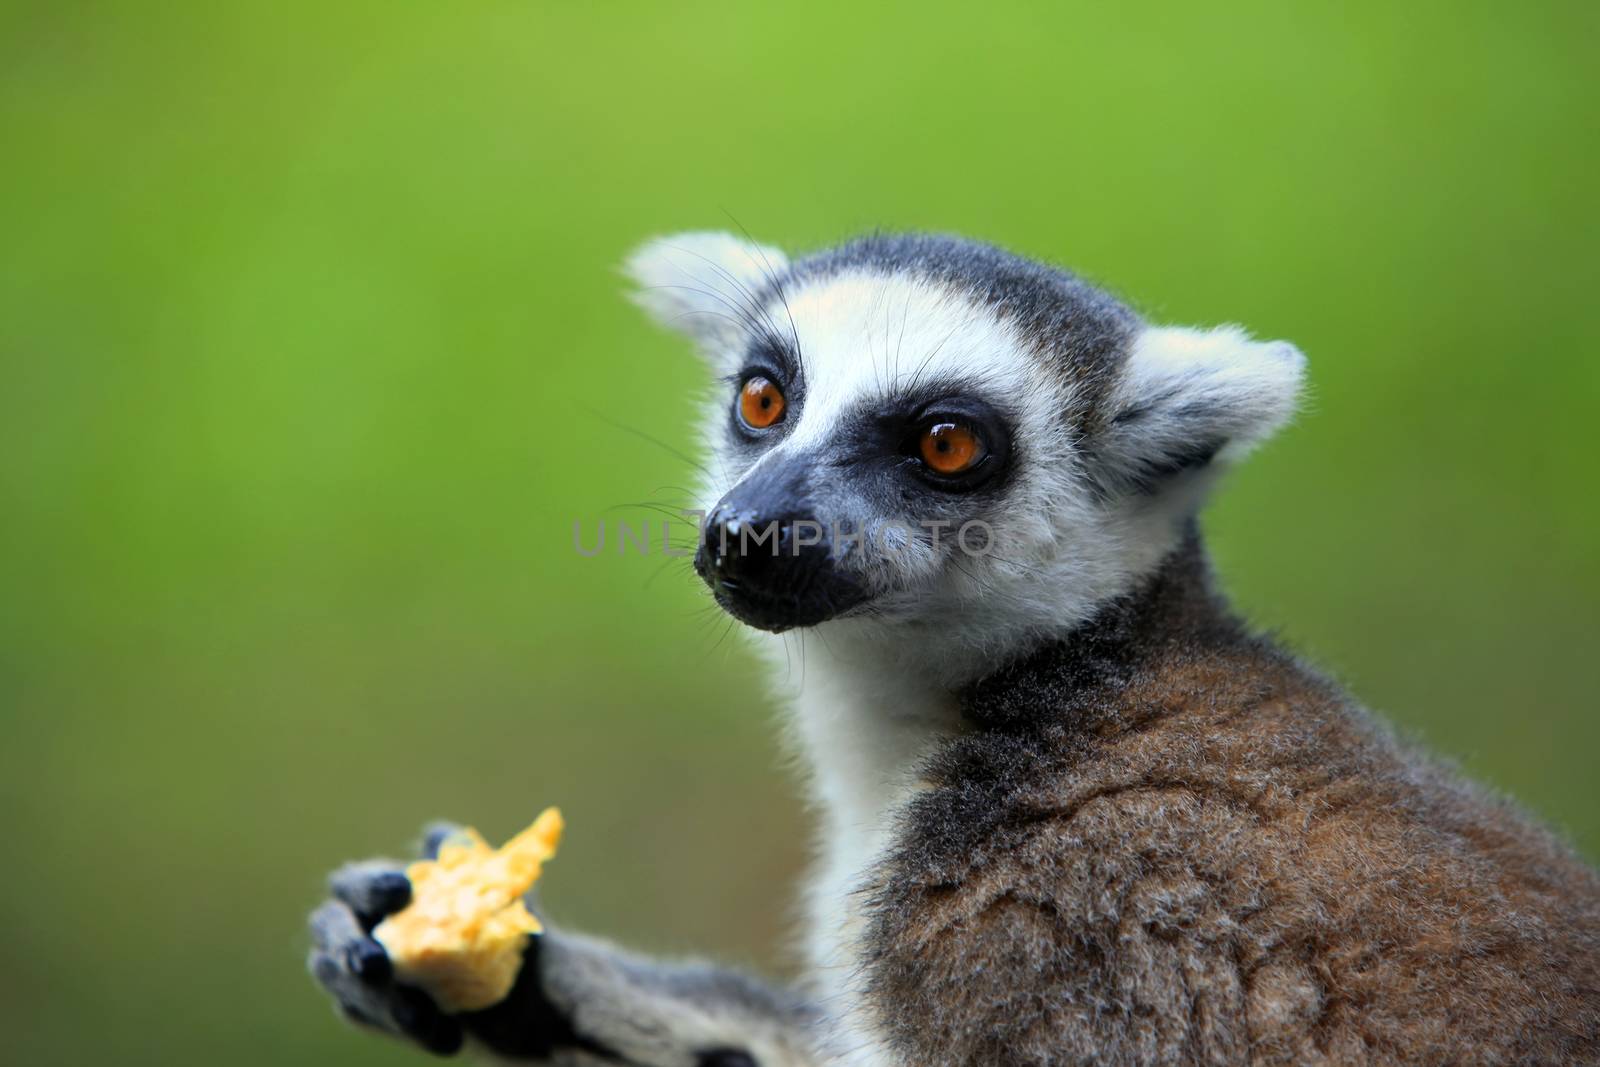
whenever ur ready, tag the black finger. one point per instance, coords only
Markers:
(359, 1000)
(373, 889)
(368, 961)
(420, 1019)
(343, 947)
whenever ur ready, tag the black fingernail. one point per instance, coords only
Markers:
(369, 962)
(389, 891)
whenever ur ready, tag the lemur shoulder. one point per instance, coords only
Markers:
(1073, 810)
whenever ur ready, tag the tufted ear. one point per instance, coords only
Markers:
(705, 284)
(1188, 397)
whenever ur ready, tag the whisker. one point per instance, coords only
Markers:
(696, 464)
(663, 569)
(917, 378)
(726, 630)
(776, 283)
(751, 303)
(744, 315)
(901, 343)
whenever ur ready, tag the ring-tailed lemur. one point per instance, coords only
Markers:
(1073, 811)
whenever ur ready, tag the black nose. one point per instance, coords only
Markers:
(773, 570)
(768, 558)
(761, 554)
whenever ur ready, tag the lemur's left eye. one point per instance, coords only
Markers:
(761, 402)
(950, 448)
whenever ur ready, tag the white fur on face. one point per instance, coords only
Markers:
(1062, 542)
(865, 336)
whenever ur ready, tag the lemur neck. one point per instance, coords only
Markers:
(870, 711)
(1176, 604)
(864, 720)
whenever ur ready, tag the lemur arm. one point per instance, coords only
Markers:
(643, 1011)
(578, 1001)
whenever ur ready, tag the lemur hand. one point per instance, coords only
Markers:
(577, 1000)
(357, 971)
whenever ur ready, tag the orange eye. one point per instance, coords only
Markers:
(760, 403)
(951, 449)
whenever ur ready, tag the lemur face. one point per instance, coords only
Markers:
(924, 431)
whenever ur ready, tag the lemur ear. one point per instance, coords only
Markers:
(704, 284)
(1188, 397)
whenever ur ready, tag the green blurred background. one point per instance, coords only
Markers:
(302, 307)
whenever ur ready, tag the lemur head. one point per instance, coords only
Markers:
(934, 435)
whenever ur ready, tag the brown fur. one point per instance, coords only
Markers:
(1167, 842)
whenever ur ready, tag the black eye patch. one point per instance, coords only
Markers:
(891, 433)
(770, 358)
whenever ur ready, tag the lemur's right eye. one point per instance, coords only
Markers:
(761, 402)
(949, 448)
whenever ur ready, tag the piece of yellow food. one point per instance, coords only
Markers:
(461, 937)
